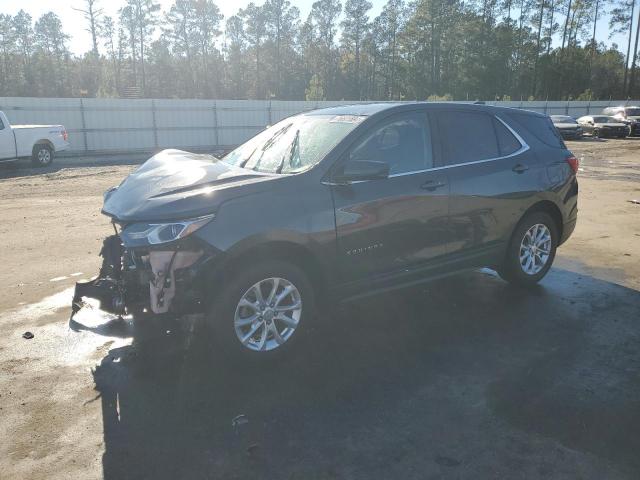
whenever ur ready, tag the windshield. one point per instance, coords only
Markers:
(293, 145)
(602, 120)
(562, 119)
(633, 112)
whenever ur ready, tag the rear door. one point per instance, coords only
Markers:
(7, 141)
(492, 174)
(393, 225)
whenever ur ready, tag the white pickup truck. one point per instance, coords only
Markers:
(39, 142)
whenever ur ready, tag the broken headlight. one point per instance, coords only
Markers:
(141, 234)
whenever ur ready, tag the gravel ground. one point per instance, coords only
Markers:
(463, 378)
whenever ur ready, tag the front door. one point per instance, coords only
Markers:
(392, 225)
(7, 142)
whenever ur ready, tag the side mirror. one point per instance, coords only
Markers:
(360, 170)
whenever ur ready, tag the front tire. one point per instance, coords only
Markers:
(42, 155)
(264, 312)
(531, 250)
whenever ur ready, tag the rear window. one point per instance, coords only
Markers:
(540, 127)
(467, 136)
(633, 112)
(507, 142)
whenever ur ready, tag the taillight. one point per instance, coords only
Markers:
(65, 135)
(573, 162)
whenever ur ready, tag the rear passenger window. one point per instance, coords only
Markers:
(467, 136)
(541, 127)
(402, 141)
(507, 143)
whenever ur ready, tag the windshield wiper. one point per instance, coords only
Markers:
(290, 152)
(265, 147)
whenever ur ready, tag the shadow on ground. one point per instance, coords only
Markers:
(464, 378)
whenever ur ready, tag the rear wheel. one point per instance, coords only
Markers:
(263, 312)
(531, 251)
(42, 155)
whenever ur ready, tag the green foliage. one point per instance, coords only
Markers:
(586, 95)
(440, 98)
(315, 90)
(434, 49)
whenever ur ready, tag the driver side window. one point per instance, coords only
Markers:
(402, 141)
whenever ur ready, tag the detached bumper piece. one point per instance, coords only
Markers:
(108, 288)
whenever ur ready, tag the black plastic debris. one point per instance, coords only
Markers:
(239, 420)
(446, 461)
(28, 335)
(253, 448)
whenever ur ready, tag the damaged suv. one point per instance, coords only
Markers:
(334, 204)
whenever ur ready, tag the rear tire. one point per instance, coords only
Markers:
(42, 155)
(530, 253)
(277, 331)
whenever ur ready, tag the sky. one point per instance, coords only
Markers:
(80, 42)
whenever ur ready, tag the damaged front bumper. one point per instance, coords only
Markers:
(157, 279)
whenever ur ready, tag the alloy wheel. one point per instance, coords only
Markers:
(268, 314)
(535, 249)
(44, 156)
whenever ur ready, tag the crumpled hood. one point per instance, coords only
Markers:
(175, 184)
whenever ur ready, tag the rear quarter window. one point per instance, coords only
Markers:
(467, 136)
(540, 127)
(507, 142)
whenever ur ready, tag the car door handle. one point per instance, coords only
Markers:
(520, 168)
(432, 185)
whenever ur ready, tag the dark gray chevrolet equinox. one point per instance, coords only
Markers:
(334, 204)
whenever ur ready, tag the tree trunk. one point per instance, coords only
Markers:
(358, 88)
(553, 10)
(633, 61)
(535, 65)
(626, 59)
(595, 23)
(144, 84)
(566, 25)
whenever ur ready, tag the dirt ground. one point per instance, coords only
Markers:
(463, 378)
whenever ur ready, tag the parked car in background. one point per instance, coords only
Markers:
(333, 204)
(38, 142)
(567, 126)
(629, 115)
(603, 126)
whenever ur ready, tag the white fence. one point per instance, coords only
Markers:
(119, 125)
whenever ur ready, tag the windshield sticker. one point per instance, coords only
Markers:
(347, 119)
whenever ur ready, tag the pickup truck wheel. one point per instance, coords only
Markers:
(42, 155)
(264, 311)
(531, 251)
